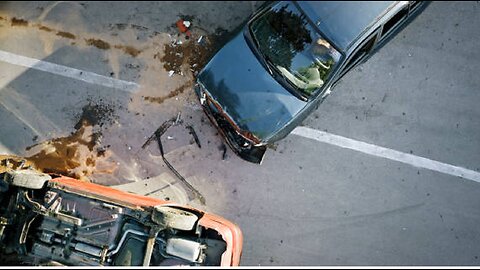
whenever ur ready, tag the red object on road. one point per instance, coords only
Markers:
(182, 28)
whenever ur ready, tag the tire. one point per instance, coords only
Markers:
(27, 178)
(174, 218)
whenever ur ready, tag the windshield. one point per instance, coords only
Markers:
(293, 48)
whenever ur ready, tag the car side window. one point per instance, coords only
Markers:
(394, 21)
(360, 54)
(414, 5)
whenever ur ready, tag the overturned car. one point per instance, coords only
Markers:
(48, 219)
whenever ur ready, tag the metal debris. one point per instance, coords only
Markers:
(178, 120)
(223, 147)
(196, 193)
(194, 134)
(158, 136)
(160, 130)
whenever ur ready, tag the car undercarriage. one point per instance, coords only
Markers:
(48, 220)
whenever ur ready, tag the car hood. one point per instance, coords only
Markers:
(245, 90)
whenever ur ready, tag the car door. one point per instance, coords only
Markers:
(377, 39)
(358, 56)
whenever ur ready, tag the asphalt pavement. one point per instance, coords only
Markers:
(77, 74)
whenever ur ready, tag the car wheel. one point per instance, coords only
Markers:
(174, 218)
(26, 178)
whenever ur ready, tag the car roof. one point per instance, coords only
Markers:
(344, 21)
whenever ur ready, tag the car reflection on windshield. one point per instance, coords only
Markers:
(294, 49)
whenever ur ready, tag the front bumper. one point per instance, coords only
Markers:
(243, 147)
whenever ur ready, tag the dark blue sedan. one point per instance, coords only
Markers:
(285, 61)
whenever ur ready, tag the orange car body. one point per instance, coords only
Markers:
(48, 219)
(229, 231)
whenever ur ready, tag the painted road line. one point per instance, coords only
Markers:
(383, 152)
(77, 74)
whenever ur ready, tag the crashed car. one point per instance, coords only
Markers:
(284, 62)
(50, 220)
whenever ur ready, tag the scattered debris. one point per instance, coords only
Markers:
(183, 27)
(170, 73)
(158, 136)
(194, 53)
(194, 134)
(178, 120)
(160, 130)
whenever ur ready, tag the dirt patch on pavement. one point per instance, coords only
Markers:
(96, 114)
(18, 22)
(45, 28)
(129, 50)
(10, 162)
(66, 35)
(79, 154)
(71, 156)
(172, 94)
(100, 44)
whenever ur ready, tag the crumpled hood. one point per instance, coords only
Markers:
(254, 100)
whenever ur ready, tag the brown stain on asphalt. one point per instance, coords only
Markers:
(128, 50)
(100, 44)
(63, 155)
(66, 35)
(10, 162)
(18, 22)
(44, 28)
(76, 155)
(172, 94)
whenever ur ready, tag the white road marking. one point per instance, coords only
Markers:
(379, 151)
(68, 72)
(317, 135)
